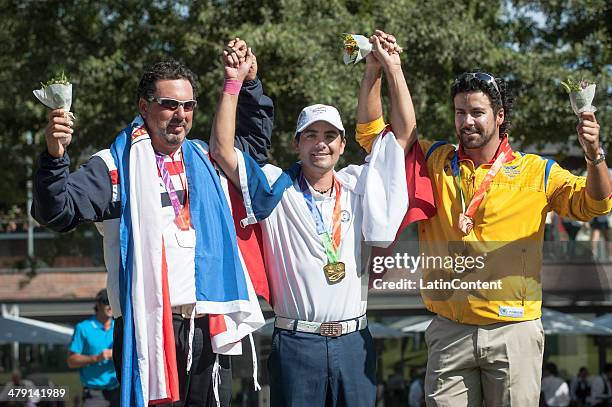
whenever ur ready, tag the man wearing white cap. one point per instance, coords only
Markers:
(314, 221)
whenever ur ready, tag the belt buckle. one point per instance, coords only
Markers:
(331, 329)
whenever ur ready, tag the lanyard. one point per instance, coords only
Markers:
(482, 188)
(331, 245)
(182, 219)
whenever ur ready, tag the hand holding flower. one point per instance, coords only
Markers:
(588, 134)
(58, 133)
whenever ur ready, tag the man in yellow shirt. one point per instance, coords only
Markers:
(486, 342)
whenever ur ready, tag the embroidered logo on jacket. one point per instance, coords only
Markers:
(345, 216)
(511, 171)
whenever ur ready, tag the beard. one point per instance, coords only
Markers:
(471, 137)
(174, 139)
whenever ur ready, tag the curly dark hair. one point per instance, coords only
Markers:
(469, 82)
(170, 69)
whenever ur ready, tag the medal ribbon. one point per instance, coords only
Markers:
(330, 244)
(182, 219)
(466, 217)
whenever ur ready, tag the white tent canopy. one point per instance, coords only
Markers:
(603, 321)
(25, 330)
(560, 323)
(554, 322)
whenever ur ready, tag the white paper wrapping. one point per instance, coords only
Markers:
(56, 96)
(364, 48)
(581, 101)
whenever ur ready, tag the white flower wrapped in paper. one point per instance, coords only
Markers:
(356, 47)
(56, 94)
(581, 95)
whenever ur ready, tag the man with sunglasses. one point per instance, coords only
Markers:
(91, 352)
(486, 344)
(177, 279)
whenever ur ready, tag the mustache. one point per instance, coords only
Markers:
(470, 130)
(178, 123)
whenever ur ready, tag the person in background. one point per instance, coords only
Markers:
(599, 231)
(572, 227)
(554, 388)
(91, 352)
(17, 382)
(416, 395)
(580, 387)
(601, 388)
(396, 385)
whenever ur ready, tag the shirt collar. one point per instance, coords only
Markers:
(97, 324)
(176, 156)
(504, 144)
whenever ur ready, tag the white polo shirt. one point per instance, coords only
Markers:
(373, 203)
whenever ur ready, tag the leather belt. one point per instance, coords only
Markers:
(330, 329)
(185, 311)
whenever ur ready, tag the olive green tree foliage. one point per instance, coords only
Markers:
(105, 45)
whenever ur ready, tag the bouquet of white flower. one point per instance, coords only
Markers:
(56, 93)
(356, 47)
(581, 95)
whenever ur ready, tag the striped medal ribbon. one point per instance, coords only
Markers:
(465, 223)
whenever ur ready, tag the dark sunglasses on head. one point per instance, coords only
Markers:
(173, 104)
(481, 76)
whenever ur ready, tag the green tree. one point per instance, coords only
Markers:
(105, 45)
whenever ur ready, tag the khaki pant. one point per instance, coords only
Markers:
(499, 364)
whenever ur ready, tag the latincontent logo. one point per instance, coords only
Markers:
(404, 262)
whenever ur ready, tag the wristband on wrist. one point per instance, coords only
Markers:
(232, 86)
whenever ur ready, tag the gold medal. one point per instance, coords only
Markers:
(334, 271)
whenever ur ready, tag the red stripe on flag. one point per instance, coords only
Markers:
(114, 176)
(138, 132)
(421, 203)
(170, 368)
(216, 324)
(250, 243)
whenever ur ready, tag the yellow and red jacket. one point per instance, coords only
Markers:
(508, 228)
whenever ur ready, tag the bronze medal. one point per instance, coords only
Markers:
(334, 271)
(466, 224)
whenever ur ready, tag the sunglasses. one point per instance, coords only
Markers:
(481, 76)
(173, 104)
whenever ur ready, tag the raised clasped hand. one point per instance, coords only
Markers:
(385, 50)
(240, 62)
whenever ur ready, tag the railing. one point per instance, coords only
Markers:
(83, 249)
(80, 249)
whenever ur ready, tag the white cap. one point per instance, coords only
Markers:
(315, 113)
